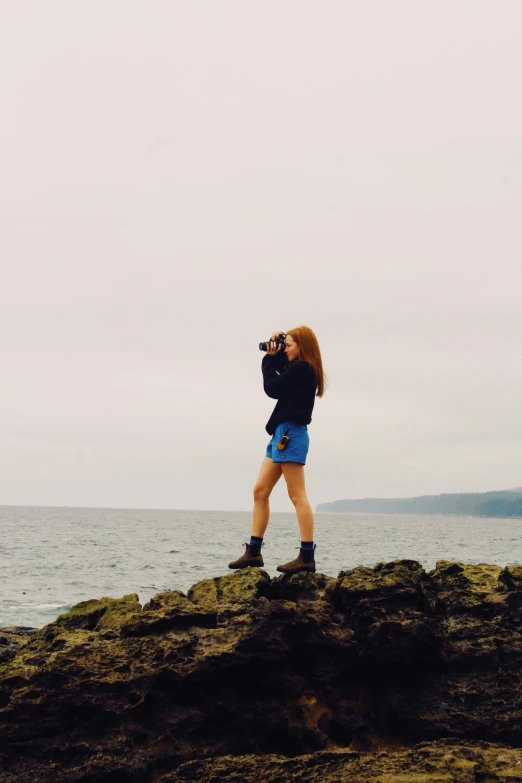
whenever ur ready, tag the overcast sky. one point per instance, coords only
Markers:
(179, 179)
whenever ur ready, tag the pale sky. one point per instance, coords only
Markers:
(180, 179)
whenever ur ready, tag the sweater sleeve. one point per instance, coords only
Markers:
(279, 385)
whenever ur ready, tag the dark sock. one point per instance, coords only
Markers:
(308, 546)
(255, 541)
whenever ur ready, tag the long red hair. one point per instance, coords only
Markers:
(311, 353)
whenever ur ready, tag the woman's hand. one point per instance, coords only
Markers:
(273, 347)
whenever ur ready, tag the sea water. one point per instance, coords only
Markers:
(52, 558)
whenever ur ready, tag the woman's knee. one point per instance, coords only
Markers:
(261, 492)
(297, 496)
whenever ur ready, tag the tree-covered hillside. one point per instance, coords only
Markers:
(503, 503)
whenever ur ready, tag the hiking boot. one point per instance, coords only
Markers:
(252, 558)
(305, 561)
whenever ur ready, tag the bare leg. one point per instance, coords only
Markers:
(295, 483)
(269, 475)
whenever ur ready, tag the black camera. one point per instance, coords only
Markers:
(280, 341)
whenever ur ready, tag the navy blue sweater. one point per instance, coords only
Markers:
(292, 385)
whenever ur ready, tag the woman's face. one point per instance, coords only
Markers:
(292, 349)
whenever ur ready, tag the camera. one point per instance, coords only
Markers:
(280, 341)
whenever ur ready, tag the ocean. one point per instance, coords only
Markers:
(52, 558)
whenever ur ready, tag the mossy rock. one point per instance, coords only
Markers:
(238, 589)
(302, 587)
(511, 577)
(480, 576)
(99, 613)
(118, 612)
(397, 582)
(168, 611)
(462, 587)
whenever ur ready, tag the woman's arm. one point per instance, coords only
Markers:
(281, 385)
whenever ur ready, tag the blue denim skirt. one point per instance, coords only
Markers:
(296, 450)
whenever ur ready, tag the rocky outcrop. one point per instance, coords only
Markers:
(12, 638)
(442, 761)
(384, 674)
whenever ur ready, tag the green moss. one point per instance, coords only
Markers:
(99, 613)
(241, 587)
(119, 611)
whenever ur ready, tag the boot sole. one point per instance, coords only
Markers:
(246, 565)
(297, 571)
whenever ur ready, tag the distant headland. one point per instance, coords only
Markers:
(501, 503)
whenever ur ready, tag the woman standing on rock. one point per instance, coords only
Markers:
(293, 375)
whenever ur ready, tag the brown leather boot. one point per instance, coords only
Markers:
(305, 561)
(252, 558)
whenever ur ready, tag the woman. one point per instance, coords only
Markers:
(293, 375)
